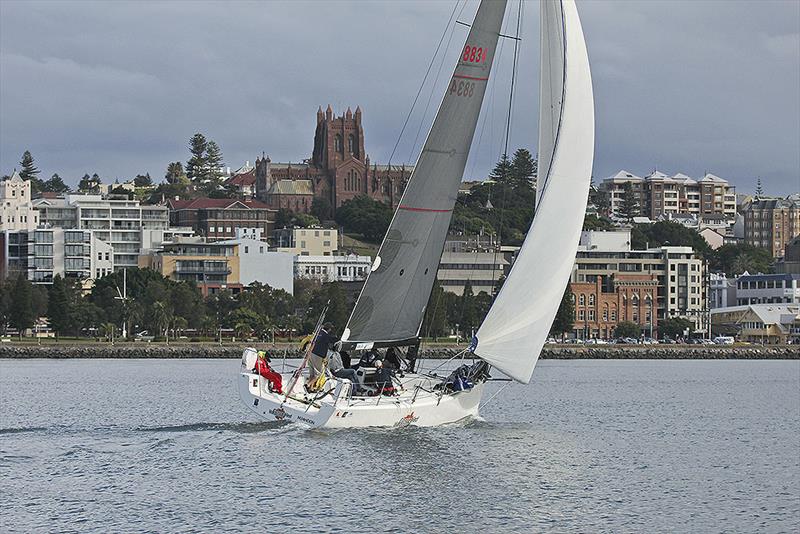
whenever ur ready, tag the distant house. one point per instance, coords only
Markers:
(759, 323)
(244, 181)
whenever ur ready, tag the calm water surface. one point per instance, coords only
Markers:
(588, 446)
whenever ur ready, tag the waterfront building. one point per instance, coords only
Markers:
(768, 289)
(759, 323)
(16, 210)
(116, 220)
(219, 218)
(772, 223)
(721, 291)
(658, 194)
(603, 302)
(678, 274)
(213, 266)
(347, 268)
(45, 253)
(258, 264)
(338, 170)
(314, 241)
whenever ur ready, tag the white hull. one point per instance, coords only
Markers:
(413, 406)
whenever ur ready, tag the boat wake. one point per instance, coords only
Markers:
(241, 427)
(21, 430)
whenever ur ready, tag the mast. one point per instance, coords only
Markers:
(391, 306)
(514, 331)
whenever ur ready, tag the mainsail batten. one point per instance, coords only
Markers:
(392, 303)
(515, 329)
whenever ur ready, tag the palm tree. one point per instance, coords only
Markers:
(162, 316)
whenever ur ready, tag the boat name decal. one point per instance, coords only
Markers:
(280, 414)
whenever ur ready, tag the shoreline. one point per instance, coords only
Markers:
(72, 350)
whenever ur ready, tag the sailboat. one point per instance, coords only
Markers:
(391, 306)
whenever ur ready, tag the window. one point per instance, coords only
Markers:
(326, 243)
(591, 300)
(337, 143)
(582, 299)
(581, 315)
(351, 144)
(591, 315)
(260, 250)
(246, 249)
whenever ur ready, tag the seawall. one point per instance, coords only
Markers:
(234, 351)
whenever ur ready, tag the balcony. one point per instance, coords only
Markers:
(207, 268)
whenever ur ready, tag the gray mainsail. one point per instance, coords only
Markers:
(391, 305)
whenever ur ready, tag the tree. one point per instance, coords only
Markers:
(89, 184)
(214, 161)
(736, 259)
(55, 185)
(21, 310)
(759, 189)
(523, 168)
(629, 207)
(338, 311)
(362, 215)
(58, 308)
(143, 180)
(674, 327)
(196, 166)
(627, 329)
(502, 171)
(469, 312)
(565, 316)
(600, 199)
(435, 322)
(593, 222)
(321, 208)
(669, 233)
(28, 171)
(175, 174)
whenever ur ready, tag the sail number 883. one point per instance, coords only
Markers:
(473, 54)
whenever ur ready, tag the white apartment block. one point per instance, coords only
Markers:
(481, 269)
(120, 222)
(16, 211)
(349, 268)
(306, 241)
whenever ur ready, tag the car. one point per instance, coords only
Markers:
(667, 341)
(724, 340)
(574, 341)
(649, 341)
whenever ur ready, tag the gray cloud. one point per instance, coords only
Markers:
(118, 88)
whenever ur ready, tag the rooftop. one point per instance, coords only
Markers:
(220, 203)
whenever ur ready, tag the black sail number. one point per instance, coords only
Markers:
(463, 88)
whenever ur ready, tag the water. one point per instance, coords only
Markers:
(588, 446)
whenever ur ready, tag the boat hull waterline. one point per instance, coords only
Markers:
(337, 409)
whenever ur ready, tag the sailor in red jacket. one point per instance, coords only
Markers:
(263, 368)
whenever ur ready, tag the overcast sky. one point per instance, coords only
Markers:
(118, 88)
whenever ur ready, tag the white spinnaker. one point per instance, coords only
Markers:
(516, 327)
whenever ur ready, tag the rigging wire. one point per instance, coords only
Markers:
(514, 65)
(424, 79)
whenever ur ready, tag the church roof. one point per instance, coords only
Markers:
(243, 178)
(291, 187)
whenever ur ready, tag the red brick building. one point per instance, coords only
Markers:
(609, 300)
(218, 218)
(338, 170)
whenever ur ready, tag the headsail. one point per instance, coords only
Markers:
(392, 303)
(514, 331)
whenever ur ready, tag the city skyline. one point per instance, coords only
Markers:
(251, 76)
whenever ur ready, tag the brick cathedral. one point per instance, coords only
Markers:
(338, 170)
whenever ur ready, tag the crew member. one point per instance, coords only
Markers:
(383, 379)
(322, 343)
(338, 369)
(263, 368)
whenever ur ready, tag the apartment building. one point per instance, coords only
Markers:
(772, 223)
(220, 218)
(316, 241)
(213, 266)
(16, 210)
(481, 269)
(47, 252)
(677, 273)
(658, 194)
(116, 220)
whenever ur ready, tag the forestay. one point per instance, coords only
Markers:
(391, 306)
(516, 327)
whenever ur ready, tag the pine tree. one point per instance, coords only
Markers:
(503, 171)
(629, 207)
(523, 168)
(28, 171)
(759, 189)
(196, 166)
(214, 162)
(469, 313)
(143, 180)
